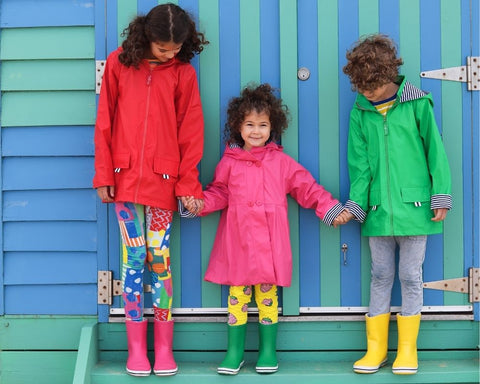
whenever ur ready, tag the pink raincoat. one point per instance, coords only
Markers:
(252, 244)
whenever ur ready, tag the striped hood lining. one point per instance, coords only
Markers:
(411, 92)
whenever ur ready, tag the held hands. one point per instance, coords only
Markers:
(195, 206)
(343, 218)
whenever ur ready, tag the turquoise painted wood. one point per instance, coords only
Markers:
(280, 38)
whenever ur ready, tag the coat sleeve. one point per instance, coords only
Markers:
(216, 194)
(358, 168)
(302, 186)
(189, 133)
(107, 104)
(435, 154)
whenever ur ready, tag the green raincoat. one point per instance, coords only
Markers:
(397, 164)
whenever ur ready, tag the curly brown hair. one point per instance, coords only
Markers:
(255, 99)
(372, 62)
(164, 23)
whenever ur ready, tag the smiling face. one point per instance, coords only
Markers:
(164, 51)
(255, 130)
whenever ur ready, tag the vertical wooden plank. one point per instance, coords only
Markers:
(288, 84)
(102, 209)
(430, 59)
(126, 12)
(329, 142)
(409, 41)
(472, 10)
(230, 83)
(2, 293)
(388, 11)
(368, 23)
(308, 141)
(368, 20)
(210, 90)
(350, 234)
(452, 116)
(269, 42)
(190, 235)
(250, 41)
(144, 6)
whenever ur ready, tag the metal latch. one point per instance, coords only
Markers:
(99, 70)
(470, 285)
(469, 73)
(108, 287)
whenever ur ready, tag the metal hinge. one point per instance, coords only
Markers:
(470, 285)
(469, 73)
(99, 70)
(108, 287)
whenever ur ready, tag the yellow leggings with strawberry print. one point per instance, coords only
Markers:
(265, 296)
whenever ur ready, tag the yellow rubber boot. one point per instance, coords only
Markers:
(406, 362)
(377, 344)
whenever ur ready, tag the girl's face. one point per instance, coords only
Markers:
(255, 130)
(164, 51)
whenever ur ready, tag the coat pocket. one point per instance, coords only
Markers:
(167, 169)
(415, 195)
(121, 161)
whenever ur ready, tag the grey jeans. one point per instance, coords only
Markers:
(411, 257)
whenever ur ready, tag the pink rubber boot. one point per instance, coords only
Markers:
(137, 362)
(163, 340)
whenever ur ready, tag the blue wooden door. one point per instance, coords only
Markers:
(269, 41)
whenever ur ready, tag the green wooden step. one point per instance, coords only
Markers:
(319, 367)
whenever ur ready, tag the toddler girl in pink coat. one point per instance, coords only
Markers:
(252, 245)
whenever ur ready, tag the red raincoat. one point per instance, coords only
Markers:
(149, 132)
(252, 244)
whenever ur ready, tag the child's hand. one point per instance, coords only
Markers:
(193, 205)
(106, 193)
(439, 214)
(343, 218)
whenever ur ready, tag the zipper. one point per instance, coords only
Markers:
(144, 139)
(387, 170)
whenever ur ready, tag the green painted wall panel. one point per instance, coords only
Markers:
(47, 43)
(48, 108)
(42, 75)
(289, 94)
(367, 17)
(410, 39)
(452, 137)
(210, 93)
(250, 41)
(328, 147)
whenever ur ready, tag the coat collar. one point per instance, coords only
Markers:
(406, 92)
(234, 150)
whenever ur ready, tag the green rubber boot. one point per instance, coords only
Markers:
(267, 348)
(233, 361)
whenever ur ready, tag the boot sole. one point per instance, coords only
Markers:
(266, 369)
(166, 372)
(229, 371)
(138, 373)
(404, 371)
(363, 369)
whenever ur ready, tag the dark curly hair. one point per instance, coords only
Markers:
(164, 23)
(372, 62)
(255, 99)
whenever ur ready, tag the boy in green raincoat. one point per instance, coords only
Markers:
(400, 190)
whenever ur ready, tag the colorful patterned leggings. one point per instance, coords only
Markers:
(265, 297)
(145, 236)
